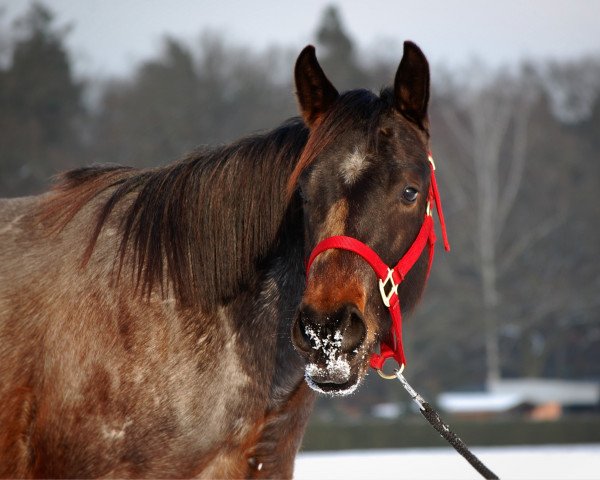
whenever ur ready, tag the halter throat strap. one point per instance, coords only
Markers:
(390, 278)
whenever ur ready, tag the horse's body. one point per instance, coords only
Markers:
(146, 316)
(170, 391)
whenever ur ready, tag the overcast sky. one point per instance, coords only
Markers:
(111, 36)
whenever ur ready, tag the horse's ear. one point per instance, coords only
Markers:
(315, 92)
(411, 86)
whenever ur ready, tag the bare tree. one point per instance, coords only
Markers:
(491, 122)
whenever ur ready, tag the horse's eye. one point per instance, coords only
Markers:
(410, 194)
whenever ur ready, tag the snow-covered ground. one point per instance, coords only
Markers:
(577, 462)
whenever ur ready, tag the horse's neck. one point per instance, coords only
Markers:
(263, 316)
(270, 291)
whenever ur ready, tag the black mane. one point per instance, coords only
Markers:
(199, 225)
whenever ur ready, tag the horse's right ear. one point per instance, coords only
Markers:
(315, 92)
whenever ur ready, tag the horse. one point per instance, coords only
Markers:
(160, 322)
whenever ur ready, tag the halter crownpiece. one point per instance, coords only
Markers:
(390, 278)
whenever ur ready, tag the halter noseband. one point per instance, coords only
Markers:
(390, 278)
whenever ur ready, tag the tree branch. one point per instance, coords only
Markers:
(528, 239)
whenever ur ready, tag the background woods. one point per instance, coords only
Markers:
(517, 150)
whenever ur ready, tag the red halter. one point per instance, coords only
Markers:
(390, 278)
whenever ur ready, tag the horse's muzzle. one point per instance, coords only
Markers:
(330, 342)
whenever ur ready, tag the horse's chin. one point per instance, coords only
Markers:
(333, 382)
(334, 389)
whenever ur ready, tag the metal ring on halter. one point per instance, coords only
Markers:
(387, 376)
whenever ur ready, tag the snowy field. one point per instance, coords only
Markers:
(577, 462)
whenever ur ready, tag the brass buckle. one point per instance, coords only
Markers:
(388, 293)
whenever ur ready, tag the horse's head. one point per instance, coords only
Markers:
(364, 173)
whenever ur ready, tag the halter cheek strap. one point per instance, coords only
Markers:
(390, 278)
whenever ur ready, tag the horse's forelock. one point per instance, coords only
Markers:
(356, 109)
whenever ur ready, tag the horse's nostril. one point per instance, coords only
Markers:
(300, 332)
(353, 329)
(314, 331)
(304, 324)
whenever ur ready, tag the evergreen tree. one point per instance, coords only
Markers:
(176, 102)
(39, 101)
(338, 55)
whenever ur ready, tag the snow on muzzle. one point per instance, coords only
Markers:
(330, 342)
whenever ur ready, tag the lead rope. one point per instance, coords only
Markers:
(443, 429)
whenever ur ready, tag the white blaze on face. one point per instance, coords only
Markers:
(353, 166)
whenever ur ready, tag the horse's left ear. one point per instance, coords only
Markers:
(315, 92)
(411, 86)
